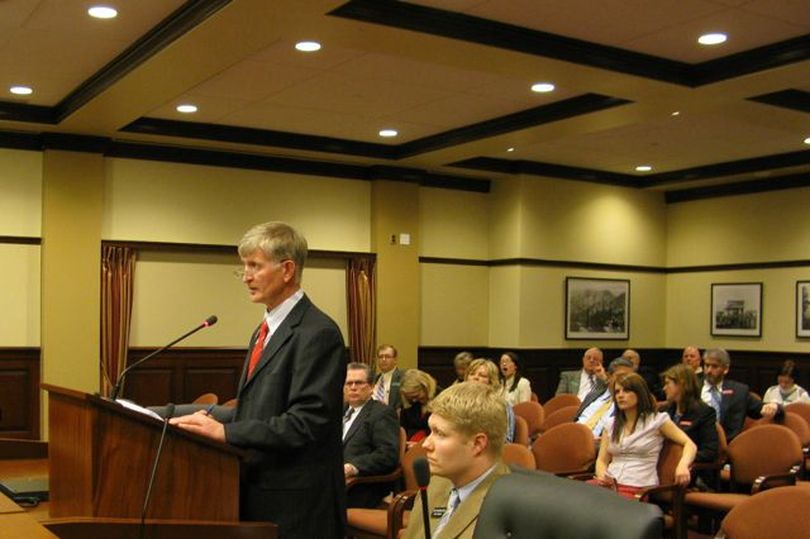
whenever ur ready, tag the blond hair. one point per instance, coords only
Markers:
(492, 371)
(473, 408)
(416, 380)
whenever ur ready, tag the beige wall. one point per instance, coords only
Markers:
(20, 193)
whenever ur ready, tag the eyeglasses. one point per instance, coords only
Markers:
(250, 271)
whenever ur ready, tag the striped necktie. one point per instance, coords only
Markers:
(714, 396)
(379, 390)
(451, 507)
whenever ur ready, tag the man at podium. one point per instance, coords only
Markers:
(290, 396)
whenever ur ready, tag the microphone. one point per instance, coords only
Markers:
(210, 321)
(421, 470)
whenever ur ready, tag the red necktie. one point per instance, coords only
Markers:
(258, 348)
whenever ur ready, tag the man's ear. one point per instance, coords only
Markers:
(480, 443)
(288, 270)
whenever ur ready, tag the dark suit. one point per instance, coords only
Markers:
(394, 400)
(569, 382)
(372, 446)
(735, 404)
(599, 388)
(289, 414)
(699, 425)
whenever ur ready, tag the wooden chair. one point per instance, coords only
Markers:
(566, 449)
(391, 477)
(668, 495)
(800, 428)
(518, 455)
(760, 458)
(229, 404)
(206, 398)
(560, 401)
(780, 512)
(716, 470)
(533, 413)
(521, 431)
(558, 417)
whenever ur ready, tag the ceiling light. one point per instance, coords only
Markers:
(807, 140)
(676, 113)
(542, 87)
(388, 132)
(510, 149)
(712, 39)
(643, 168)
(21, 90)
(308, 46)
(187, 108)
(102, 12)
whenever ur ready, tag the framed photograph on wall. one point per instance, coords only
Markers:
(737, 309)
(803, 308)
(597, 308)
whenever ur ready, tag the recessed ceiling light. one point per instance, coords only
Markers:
(676, 113)
(187, 108)
(542, 87)
(643, 168)
(388, 132)
(510, 149)
(712, 39)
(308, 46)
(102, 12)
(21, 90)
(807, 140)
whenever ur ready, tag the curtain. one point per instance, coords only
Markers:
(362, 305)
(117, 273)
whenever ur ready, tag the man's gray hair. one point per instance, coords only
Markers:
(278, 241)
(357, 366)
(719, 354)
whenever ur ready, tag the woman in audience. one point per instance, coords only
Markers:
(460, 363)
(693, 416)
(485, 372)
(786, 391)
(633, 438)
(515, 387)
(417, 389)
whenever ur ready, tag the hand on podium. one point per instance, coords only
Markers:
(201, 423)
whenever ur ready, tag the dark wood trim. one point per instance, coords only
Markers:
(575, 264)
(776, 183)
(20, 240)
(23, 112)
(210, 248)
(473, 29)
(537, 168)
(542, 366)
(20, 395)
(791, 98)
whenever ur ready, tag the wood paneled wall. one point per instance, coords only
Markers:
(19, 393)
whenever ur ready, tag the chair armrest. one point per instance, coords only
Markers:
(764, 482)
(402, 502)
(581, 476)
(575, 474)
(384, 478)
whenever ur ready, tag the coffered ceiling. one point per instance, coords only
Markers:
(452, 77)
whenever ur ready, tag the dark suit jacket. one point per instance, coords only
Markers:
(372, 446)
(699, 425)
(737, 403)
(394, 400)
(599, 388)
(569, 382)
(289, 414)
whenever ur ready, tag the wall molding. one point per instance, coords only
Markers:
(211, 248)
(19, 392)
(21, 240)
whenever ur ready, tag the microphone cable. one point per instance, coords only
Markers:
(148, 496)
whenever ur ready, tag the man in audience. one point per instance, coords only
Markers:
(597, 406)
(731, 400)
(691, 356)
(464, 450)
(645, 372)
(386, 384)
(370, 438)
(581, 382)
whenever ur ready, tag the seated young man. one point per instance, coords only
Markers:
(464, 449)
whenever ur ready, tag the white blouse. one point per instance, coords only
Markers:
(797, 394)
(522, 393)
(635, 458)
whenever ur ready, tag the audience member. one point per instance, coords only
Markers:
(485, 372)
(370, 438)
(693, 416)
(597, 407)
(691, 357)
(460, 364)
(731, 400)
(581, 382)
(417, 389)
(386, 384)
(464, 449)
(645, 372)
(632, 441)
(516, 388)
(787, 390)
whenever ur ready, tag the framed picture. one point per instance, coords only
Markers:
(803, 308)
(737, 309)
(597, 308)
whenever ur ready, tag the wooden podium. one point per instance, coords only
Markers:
(101, 456)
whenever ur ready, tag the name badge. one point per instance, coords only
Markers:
(686, 423)
(438, 512)
(728, 392)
